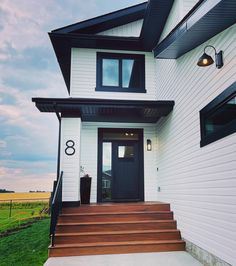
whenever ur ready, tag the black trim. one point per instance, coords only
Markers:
(99, 165)
(59, 151)
(120, 56)
(211, 108)
(198, 26)
(154, 21)
(67, 204)
(107, 21)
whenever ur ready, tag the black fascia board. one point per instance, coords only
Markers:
(102, 102)
(107, 21)
(62, 44)
(155, 18)
(205, 20)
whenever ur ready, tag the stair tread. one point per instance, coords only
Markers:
(114, 213)
(114, 222)
(118, 232)
(121, 243)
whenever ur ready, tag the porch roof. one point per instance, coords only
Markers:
(100, 110)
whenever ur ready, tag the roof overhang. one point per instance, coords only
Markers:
(99, 110)
(205, 20)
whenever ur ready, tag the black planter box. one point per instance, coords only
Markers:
(85, 188)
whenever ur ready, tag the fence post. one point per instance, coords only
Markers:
(10, 208)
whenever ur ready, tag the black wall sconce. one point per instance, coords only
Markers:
(149, 145)
(206, 60)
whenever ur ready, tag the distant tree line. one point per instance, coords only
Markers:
(36, 191)
(6, 191)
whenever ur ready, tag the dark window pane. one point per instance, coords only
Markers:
(131, 73)
(110, 72)
(223, 116)
(126, 152)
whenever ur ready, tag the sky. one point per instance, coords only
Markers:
(28, 68)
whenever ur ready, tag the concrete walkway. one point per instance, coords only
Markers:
(177, 258)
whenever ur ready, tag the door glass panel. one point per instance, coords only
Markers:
(110, 72)
(125, 151)
(106, 171)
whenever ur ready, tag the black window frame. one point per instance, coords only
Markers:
(212, 107)
(120, 57)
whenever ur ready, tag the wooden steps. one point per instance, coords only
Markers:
(116, 228)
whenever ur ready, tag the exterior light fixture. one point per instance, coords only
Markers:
(149, 145)
(206, 60)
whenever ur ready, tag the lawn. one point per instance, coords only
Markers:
(20, 213)
(27, 247)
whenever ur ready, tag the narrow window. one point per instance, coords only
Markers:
(218, 118)
(120, 72)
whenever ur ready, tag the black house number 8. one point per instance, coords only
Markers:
(70, 150)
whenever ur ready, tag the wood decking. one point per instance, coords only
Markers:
(116, 228)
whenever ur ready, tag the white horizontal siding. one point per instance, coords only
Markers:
(200, 183)
(178, 11)
(83, 76)
(70, 165)
(131, 29)
(89, 154)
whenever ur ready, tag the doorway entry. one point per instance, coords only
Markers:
(120, 165)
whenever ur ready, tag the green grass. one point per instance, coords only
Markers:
(21, 213)
(27, 247)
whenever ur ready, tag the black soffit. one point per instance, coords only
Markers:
(205, 20)
(98, 110)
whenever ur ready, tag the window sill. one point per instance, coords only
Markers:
(117, 89)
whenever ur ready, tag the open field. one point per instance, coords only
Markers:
(28, 247)
(25, 196)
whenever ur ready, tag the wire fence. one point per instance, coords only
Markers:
(17, 212)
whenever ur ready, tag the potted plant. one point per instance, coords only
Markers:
(85, 188)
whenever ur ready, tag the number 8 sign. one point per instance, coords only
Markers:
(70, 150)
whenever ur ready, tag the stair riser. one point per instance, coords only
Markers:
(115, 227)
(61, 252)
(116, 217)
(117, 238)
(123, 208)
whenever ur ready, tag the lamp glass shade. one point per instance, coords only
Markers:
(205, 60)
(149, 145)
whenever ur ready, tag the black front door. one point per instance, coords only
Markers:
(120, 168)
(125, 170)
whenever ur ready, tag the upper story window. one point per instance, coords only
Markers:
(120, 72)
(218, 118)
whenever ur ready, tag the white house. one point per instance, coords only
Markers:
(149, 124)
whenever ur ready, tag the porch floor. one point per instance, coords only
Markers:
(177, 258)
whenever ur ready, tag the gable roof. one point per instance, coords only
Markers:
(83, 34)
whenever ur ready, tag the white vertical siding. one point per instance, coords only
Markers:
(179, 9)
(89, 154)
(70, 165)
(83, 76)
(200, 183)
(131, 29)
